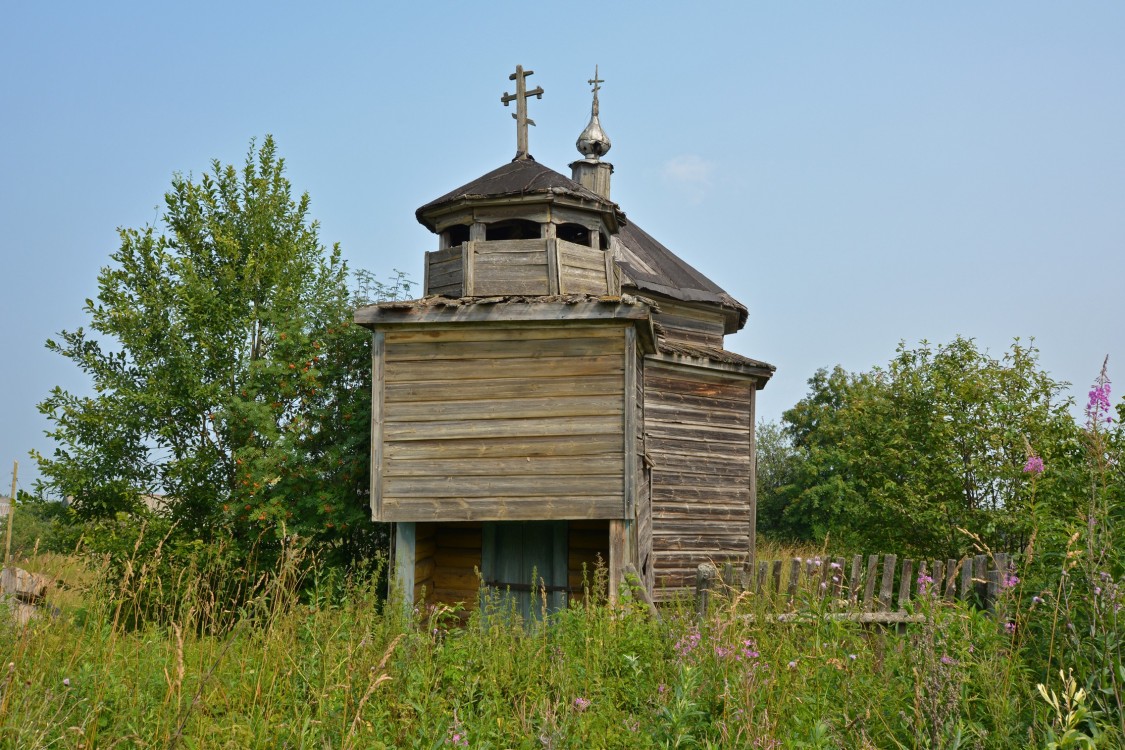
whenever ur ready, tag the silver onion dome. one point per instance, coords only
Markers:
(593, 142)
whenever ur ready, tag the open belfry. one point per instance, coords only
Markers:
(560, 395)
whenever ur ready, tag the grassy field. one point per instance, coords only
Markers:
(162, 660)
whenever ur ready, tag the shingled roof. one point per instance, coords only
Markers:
(519, 177)
(649, 266)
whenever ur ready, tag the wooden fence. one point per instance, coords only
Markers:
(866, 592)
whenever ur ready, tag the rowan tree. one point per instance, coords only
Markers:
(227, 375)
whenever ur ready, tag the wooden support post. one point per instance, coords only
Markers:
(11, 520)
(888, 584)
(950, 584)
(618, 554)
(763, 573)
(869, 585)
(992, 591)
(404, 564)
(794, 577)
(966, 578)
(705, 576)
(753, 530)
(905, 583)
(776, 576)
(980, 574)
(637, 586)
(854, 581)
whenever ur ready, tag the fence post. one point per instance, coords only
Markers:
(705, 577)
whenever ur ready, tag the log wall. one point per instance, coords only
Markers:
(698, 424)
(500, 423)
(690, 324)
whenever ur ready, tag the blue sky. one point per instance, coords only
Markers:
(855, 173)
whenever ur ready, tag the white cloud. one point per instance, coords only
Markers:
(689, 173)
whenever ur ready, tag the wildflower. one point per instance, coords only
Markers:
(851, 656)
(1034, 465)
(1010, 580)
(1009, 627)
(723, 652)
(1097, 591)
(923, 583)
(581, 704)
(1036, 599)
(835, 579)
(834, 565)
(661, 688)
(1098, 406)
(793, 664)
(948, 660)
(66, 682)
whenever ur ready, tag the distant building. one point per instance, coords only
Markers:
(5, 506)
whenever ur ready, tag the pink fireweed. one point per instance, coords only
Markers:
(1098, 409)
(1034, 465)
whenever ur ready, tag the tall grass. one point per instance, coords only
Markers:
(165, 658)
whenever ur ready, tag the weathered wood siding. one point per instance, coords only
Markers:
(500, 423)
(697, 428)
(509, 267)
(584, 270)
(445, 272)
(690, 324)
(645, 557)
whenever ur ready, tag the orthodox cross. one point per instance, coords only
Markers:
(520, 97)
(596, 83)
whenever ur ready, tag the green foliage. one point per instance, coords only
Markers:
(903, 457)
(227, 375)
(37, 527)
(297, 655)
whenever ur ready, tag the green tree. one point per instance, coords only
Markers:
(902, 457)
(227, 375)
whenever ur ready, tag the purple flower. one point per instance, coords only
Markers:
(1036, 600)
(1010, 580)
(66, 682)
(1034, 465)
(851, 656)
(923, 583)
(661, 688)
(948, 660)
(1009, 628)
(581, 704)
(1098, 408)
(793, 664)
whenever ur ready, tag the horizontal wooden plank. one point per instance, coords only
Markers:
(502, 428)
(727, 463)
(693, 416)
(591, 261)
(678, 400)
(526, 368)
(503, 314)
(485, 410)
(701, 496)
(671, 478)
(557, 445)
(449, 290)
(504, 333)
(488, 287)
(502, 388)
(541, 466)
(437, 351)
(497, 247)
(687, 433)
(499, 487)
(510, 509)
(695, 446)
(705, 386)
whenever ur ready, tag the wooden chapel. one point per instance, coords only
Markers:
(559, 395)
